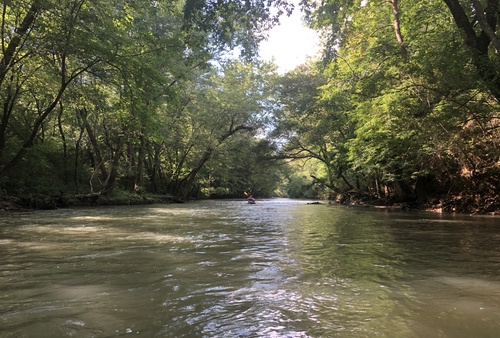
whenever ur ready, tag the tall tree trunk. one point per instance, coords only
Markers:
(140, 161)
(8, 107)
(101, 166)
(488, 20)
(113, 174)
(77, 164)
(63, 139)
(154, 168)
(20, 33)
(377, 185)
(397, 25)
(479, 43)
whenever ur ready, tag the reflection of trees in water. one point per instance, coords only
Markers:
(351, 266)
(386, 269)
(278, 267)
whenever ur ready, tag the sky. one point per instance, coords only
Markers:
(290, 43)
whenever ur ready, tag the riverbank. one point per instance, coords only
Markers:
(466, 203)
(43, 202)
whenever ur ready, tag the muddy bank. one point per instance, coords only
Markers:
(466, 203)
(41, 202)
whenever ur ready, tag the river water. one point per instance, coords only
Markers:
(280, 268)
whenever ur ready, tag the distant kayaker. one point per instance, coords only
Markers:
(251, 199)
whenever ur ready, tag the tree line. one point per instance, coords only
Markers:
(138, 97)
(403, 107)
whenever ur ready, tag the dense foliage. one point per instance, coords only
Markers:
(168, 98)
(408, 111)
(130, 95)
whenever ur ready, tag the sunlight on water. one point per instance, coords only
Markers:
(279, 268)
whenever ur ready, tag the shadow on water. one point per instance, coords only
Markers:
(280, 268)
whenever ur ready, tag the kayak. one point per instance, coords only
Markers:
(251, 202)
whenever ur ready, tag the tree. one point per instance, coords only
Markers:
(29, 51)
(314, 128)
(236, 99)
(232, 24)
(246, 165)
(479, 25)
(113, 71)
(414, 109)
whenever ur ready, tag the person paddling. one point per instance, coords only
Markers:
(251, 200)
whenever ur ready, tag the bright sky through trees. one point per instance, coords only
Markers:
(290, 43)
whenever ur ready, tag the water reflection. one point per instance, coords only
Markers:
(280, 268)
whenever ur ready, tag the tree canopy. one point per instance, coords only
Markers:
(170, 98)
(103, 93)
(414, 86)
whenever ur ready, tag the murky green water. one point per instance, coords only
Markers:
(280, 268)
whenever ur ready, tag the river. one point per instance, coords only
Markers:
(280, 268)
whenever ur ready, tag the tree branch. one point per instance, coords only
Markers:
(488, 26)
